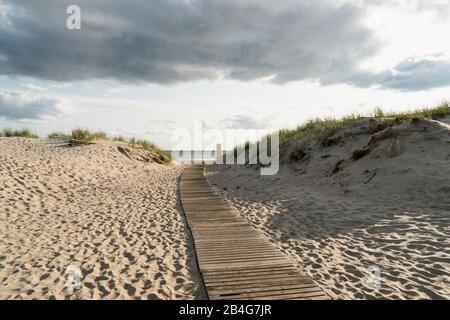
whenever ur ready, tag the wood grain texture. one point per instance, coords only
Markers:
(235, 260)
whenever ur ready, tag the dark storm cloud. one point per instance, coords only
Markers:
(170, 41)
(167, 41)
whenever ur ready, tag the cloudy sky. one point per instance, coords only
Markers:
(147, 67)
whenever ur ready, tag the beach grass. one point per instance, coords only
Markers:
(119, 138)
(87, 135)
(23, 133)
(57, 134)
(323, 129)
(149, 146)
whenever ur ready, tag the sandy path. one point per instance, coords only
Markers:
(115, 219)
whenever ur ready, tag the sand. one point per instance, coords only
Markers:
(114, 218)
(373, 227)
(388, 211)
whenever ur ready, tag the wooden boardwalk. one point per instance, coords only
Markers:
(235, 260)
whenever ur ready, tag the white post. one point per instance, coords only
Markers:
(219, 156)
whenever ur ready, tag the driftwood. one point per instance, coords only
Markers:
(75, 142)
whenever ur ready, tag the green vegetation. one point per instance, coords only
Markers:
(119, 138)
(24, 133)
(149, 146)
(57, 134)
(434, 113)
(324, 129)
(87, 135)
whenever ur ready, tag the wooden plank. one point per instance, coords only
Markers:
(250, 271)
(240, 257)
(235, 260)
(255, 288)
(305, 292)
(288, 296)
(253, 279)
(251, 276)
(75, 142)
(258, 281)
(228, 254)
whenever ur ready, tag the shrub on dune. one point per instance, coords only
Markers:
(119, 138)
(87, 135)
(149, 146)
(57, 134)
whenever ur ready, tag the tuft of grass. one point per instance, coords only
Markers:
(298, 152)
(378, 113)
(321, 129)
(23, 133)
(119, 138)
(149, 146)
(87, 135)
(57, 134)
(164, 156)
(437, 112)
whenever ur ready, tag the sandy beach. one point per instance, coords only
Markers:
(115, 119)
(364, 224)
(388, 211)
(114, 218)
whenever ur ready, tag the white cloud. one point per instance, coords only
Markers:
(27, 106)
(246, 122)
(420, 73)
(33, 88)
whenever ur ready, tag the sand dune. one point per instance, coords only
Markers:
(339, 214)
(92, 208)
(387, 211)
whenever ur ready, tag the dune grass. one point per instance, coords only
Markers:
(149, 146)
(324, 129)
(119, 138)
(57, 134)
(23, 133)
(87, 135)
